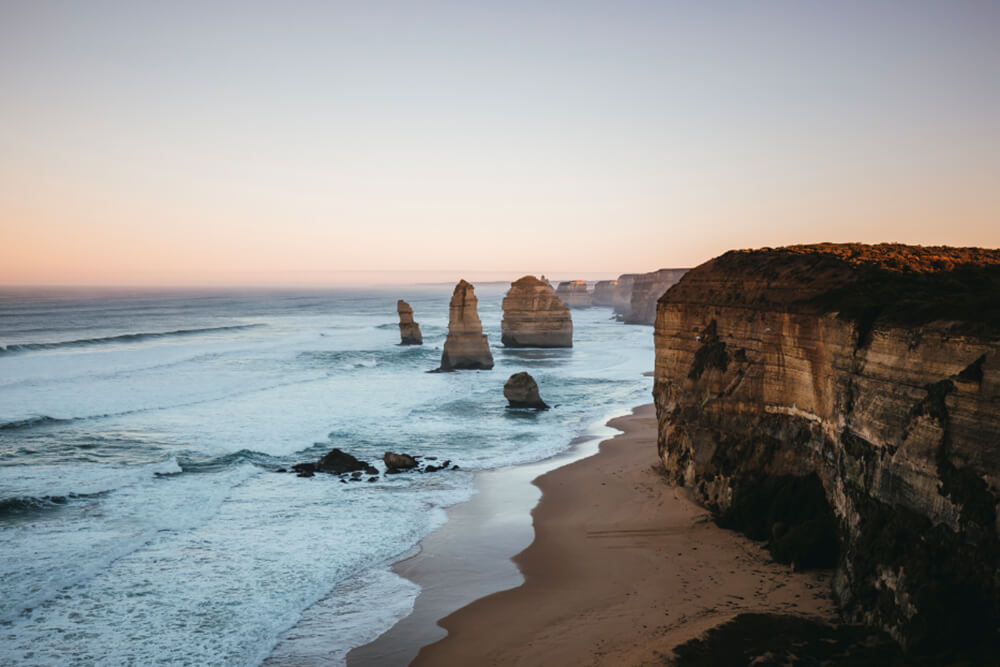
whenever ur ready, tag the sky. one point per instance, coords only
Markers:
(272, 143)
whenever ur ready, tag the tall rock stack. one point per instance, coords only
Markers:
(533, 316)
(466, 347)
(604, 292)
(409, 331)
(621, 303)
(574, 294)
(647, 290)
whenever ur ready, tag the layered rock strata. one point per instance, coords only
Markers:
(409, 331)
(574, 294)
(604, 292)
(647, 288)
(874, 372)
(533, 316)
(621, 303)
(521, 391)
(466, 347)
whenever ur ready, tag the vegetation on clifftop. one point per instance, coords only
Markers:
(888, 282)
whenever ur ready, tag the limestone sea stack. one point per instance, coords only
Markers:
(466, 347)
(574, 294)
(521, 391)
(621, 303)
(409, 331)
(842, 402)
(646, 290)
(604, 292)
(533, 316)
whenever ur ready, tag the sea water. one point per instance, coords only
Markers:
(141, 518)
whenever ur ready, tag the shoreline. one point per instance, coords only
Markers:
(492, 527)
(622, 567)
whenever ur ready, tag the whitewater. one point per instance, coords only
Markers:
(141, 517)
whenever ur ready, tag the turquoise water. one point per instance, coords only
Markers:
(141, 520)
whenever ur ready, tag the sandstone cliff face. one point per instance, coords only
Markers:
(466, 347)
(647, 288)
(574, 294)
(881, 378)
(604, 292)
(409, 331)
(622, 301)
(533, 316)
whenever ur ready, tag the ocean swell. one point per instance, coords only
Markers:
(121, 338)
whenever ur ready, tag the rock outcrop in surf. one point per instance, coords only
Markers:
(574, 294)
(466, 347)
(409, 331)
(647, 288)
(521, 391)
(533, 316)
(604, 292)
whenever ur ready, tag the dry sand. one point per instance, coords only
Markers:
(623, 567)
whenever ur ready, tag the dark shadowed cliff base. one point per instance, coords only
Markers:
(623, 568)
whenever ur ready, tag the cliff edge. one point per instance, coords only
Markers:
(842, 402)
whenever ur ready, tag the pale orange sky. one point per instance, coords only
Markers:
(244, 144)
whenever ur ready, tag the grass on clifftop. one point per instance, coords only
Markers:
(891, 282)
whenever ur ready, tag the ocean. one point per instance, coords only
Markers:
(141, 518)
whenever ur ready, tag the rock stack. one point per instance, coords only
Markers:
(604, 292)
(574, 294)
(466, 347)
(521, 391)
(409, 331)
(533, 316)
(647, 290)
(622, 300)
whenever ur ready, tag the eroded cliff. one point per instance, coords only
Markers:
(872, 374)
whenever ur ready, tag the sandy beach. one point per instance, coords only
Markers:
(622, 568)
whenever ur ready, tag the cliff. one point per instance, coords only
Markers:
(574, 294)
(647, 288)
(843, 403)
(533, 316)
(604, 292)
(409, 331)
(466, 347)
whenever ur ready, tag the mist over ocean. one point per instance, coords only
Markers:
(141, 520)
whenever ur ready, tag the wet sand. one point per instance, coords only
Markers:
(622, 568)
